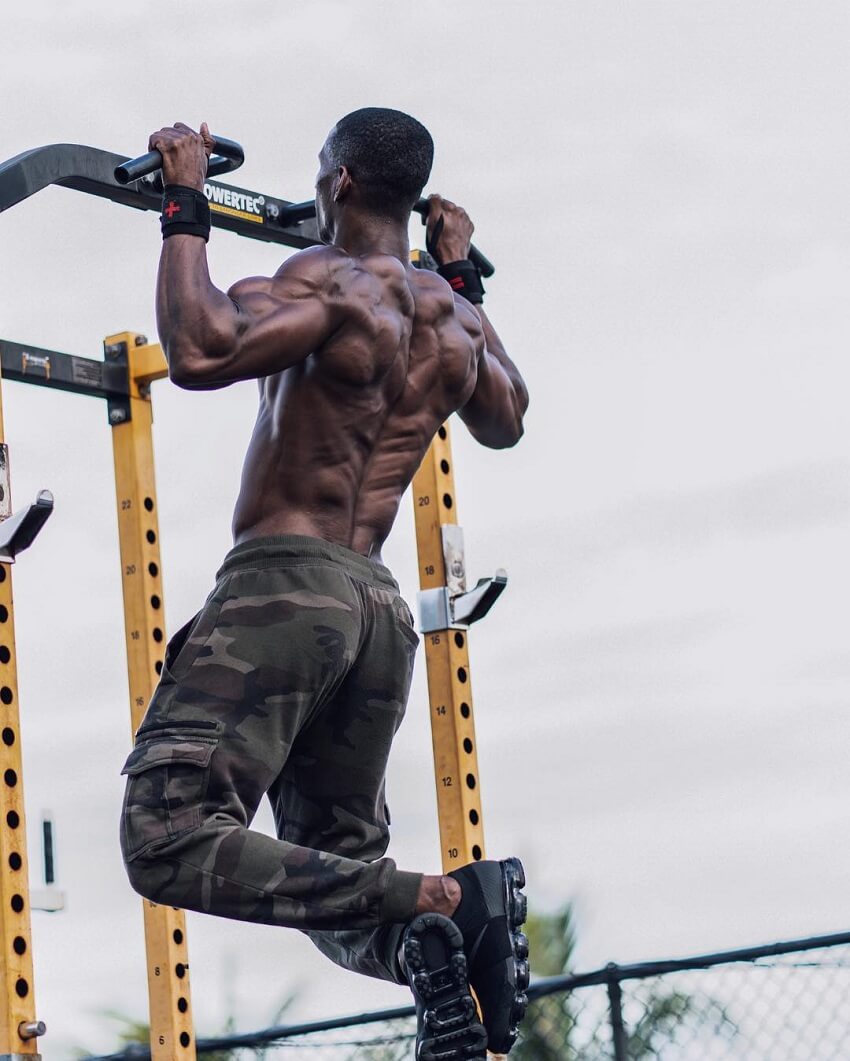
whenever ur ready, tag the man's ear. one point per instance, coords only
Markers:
(342, 184)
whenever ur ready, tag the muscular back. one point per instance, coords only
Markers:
(340, 434)
(359, 357)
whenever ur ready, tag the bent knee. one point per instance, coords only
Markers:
(159, 875)
(142, 875)
(148, 844)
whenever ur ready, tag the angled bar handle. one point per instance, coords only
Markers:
(228, 157)
(479, 260)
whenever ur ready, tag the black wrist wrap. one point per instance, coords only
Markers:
(464, 279)
(184, 211)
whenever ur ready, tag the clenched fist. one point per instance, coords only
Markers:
(453, 236)
(185, 153)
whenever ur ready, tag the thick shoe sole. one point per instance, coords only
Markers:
(516, 907)
(449, 1026)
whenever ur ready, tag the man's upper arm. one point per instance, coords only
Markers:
(495, 409)
(277, 322)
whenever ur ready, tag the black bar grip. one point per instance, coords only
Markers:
(479, 260)
(295, 213)
(228, 156)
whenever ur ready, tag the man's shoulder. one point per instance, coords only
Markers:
(309, 273)
(316, 266)
(435, 300)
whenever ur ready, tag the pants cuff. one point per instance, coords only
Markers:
(399, 903)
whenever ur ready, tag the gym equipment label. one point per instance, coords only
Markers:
(235, 203)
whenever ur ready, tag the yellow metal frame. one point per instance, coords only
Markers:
(17, 1005)
(172, 1035)
(447, 659)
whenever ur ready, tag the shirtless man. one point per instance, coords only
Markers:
(293, 678)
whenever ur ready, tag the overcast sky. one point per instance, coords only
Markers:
(662, 695)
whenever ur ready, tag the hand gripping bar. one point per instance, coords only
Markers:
(228, 157)
(297, 212)
(480, 261)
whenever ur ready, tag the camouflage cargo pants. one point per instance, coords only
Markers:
(291, 681)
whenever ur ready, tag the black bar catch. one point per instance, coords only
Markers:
(18, 532)
(474, 604)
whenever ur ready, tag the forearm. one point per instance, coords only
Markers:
(195, 320)
(496, 348)
(494, 413)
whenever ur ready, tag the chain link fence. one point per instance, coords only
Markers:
(784, 1002)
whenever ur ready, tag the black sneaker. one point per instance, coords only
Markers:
(491, 911)
(448, 1026)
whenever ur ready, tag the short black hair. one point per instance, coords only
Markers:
(388, 153)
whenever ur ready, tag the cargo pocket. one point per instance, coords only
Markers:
(167, 779)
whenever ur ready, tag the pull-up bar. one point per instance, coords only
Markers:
(230, 157)
(136, 182)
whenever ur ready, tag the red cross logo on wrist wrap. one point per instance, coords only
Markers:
(171, 209)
